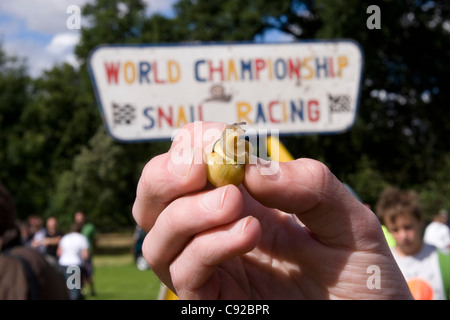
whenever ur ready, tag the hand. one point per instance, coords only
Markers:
(295, 234)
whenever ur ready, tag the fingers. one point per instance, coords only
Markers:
(176, 173)
(193, 269)
(187, 218)
(308, 189)
(161, 181)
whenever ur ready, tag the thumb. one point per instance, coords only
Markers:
(307, 188)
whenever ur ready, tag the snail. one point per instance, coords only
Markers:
(226, 163)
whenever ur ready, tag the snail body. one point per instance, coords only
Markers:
(226, 163)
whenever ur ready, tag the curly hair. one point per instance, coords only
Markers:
(394, 202)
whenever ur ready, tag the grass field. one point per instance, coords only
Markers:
(116, 277)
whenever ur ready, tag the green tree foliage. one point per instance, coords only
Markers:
(110, 22)
(56, 157)
(14, 87)
(101, 181)
(402, 115)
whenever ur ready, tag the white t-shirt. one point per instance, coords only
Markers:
(422, 270)
(438, 235)
(71, 246)
(39, 236)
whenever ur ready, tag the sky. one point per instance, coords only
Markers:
(37, 30)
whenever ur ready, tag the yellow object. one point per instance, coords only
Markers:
(166, 294)
(277, 151)
(226, 163)
(389, 238)
(170, 295)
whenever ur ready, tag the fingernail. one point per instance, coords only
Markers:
(181, 162)
(240, 227)
(268, 169)
(213, 200)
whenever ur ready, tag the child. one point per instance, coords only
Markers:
(425, 268)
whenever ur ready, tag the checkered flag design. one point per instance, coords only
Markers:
(340, 103)
(123, 115)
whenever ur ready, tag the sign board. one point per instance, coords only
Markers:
(146, 92)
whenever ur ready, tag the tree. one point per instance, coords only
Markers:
(104, 173)
(49, 130)
(110, 22)
(101, 181)
(53, 145)
(14, 97)
(402, 112)
(402, 116)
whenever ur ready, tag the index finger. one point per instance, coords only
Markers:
(173, 174)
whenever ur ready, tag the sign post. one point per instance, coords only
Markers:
(146, 92)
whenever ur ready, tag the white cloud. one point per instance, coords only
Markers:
(37, 59)
(37, 30)
(62, 43)
(44, 16)
(41, 57)
(61, 48)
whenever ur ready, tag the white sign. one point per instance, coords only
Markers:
(146, 92)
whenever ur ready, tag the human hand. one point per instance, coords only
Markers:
(295, 234)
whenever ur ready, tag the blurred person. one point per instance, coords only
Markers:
(437, 233)
(24, 272)
(90, 232)
(50, 241)
(52, 236)
(35, 231)
(28, 228)
(73, 250)
(295, 234)
(25, 233)
(38, 235)
(425, 268)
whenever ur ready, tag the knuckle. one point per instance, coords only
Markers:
(151, 171)
(147, 252)
(178, 275)
(319, 174)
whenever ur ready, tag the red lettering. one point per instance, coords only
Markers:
(271, 118)
(213, 69)
(155, 74)
(330, 69)
(112, 71)
(313, 110)
(260, 64)
(162, 115)
(294, 68)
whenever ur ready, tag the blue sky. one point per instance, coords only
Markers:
(36, 30)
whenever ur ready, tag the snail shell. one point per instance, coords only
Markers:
(226, 163)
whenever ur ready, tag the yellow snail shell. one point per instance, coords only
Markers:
(226, 163)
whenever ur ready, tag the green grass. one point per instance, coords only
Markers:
(117, 278)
